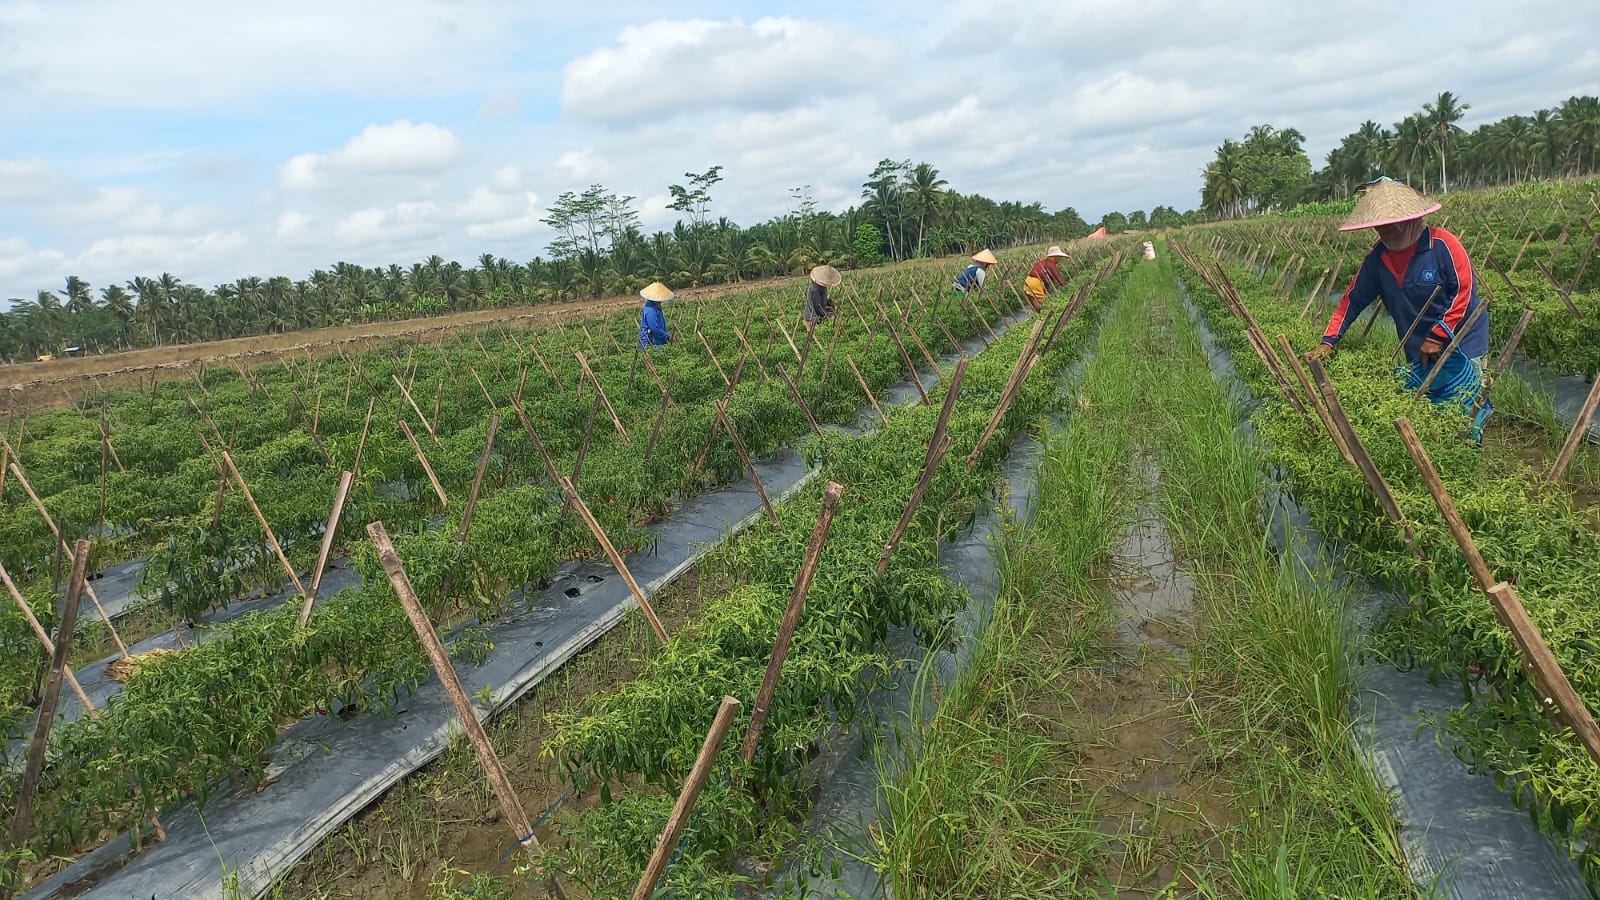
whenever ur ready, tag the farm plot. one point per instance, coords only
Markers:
(1499, 565)
(162, 745)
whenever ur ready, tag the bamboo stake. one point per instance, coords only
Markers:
(1548, 677)
(272, 539)
(1394, 358)
(1369, 470)
(415, 408)
(510, 804)
(533, 345)
(791, 620)
(797, 357)
(750, 351)
(916, 339)
(1518, 261)
(61, 544)
(615, 421)
(44, 638)
(423, 458)
(1561, 291)
(1578, 434)
(1019, 373)
(1377, 309)
(1316, 400)
(938, 442)
(713, 355)
(911, 367)
(615, 557)
(866, 390)
(361, 445)
(1506, 352)
(105, 435)
(34, 766)
(477, 478)
(1455, 342)
(744, 457)
(583, 449)
(727, 395)
(661, 415)
(493, 406)
(438, 400)
(340, 495)
(670, 835)
(799, 401)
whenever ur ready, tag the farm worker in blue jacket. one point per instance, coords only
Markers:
(652, 320)
(1424, 277)
(971, 278)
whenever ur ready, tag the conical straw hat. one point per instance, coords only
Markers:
(984, 256)
(827, 276)
(1056, 251)
(656, 291)
(1387, 202)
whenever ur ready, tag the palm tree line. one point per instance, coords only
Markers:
(1429, 150)
(905, 211)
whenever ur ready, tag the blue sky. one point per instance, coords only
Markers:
(221, 139)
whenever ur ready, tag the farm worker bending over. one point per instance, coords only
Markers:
(1424, 277)
(652, 321)
(818, 305)
(1044, 277)
(971, 278)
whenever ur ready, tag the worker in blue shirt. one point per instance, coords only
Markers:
(1428, 288)
(652, 320)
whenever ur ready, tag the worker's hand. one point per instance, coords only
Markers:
(1319, 353)
(1431, 350)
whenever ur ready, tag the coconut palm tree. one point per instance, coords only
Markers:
(1441, 116)
(924, 189)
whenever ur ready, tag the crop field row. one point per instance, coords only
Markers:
(440, 442)
(1531, 534)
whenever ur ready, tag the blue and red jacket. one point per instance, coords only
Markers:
(1406, 280)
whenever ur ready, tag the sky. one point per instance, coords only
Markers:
(217, 139)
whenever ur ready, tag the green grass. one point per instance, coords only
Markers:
(995, 803)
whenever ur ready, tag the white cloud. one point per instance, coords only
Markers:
(1128, 99)
(374, 224)
(292, 225)
(394, 149)
(666, 68)
(582, 165)
(508, 178)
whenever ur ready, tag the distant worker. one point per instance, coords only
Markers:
(1044, 278)
(819, 305)
(971, 278)
(1149, 250)
(652, 320)
(1428, 287)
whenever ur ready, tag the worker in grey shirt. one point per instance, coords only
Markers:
(818, 305)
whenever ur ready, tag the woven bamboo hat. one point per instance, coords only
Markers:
(827, 276)
(984, 256)
(1056, 251)
(657, 291)
(1387, 202)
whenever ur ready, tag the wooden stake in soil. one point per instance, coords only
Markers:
(423, 458)
(905, 357)
(1316, 400)
(713, 355)
(271, 538)
(744, 457)
(510, 805)
(61, 544)
(39, 632)
(799, 401)
(414, 407)
(938, 443)
(668, 842)
(1394, 358)
(1548, 677)
(1369, 470)
(477, 478)
(340, 495)
(52, 696)
(791, 619)
(589, 373)
(866, 390)
(1449, 349)
(583, 449)
(1578, 434)
(615, 557)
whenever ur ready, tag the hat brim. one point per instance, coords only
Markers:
(1432, 208)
